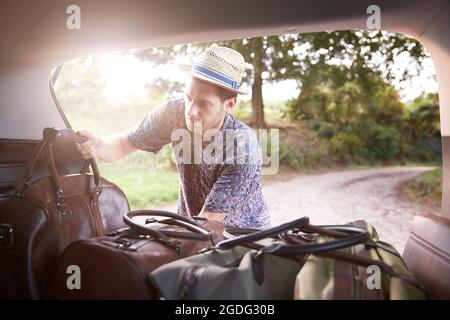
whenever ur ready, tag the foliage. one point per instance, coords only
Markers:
(426, 187)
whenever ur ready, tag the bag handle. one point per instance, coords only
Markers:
(52, 136)
(362, 261)
(346, 236)
(261, 234)
(197, 232)
(231, 233)
(54, 175)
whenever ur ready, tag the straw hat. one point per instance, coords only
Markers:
(220, 66)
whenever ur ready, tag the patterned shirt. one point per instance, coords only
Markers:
(230, 185)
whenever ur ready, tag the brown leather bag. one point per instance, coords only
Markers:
(41, 218)
(118, 266)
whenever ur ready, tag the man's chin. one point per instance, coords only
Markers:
(197, 128)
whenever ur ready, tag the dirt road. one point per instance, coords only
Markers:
(340, 197)
(344, 196)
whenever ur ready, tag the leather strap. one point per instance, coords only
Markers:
(195, 230)
(358, 260)
(344, 279)
(52, 136)
(25, 181)
(261, 234)
(355, 235)
(230, 233)
(97, 216)
(54, 175)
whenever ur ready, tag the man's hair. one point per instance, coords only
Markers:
(223, 93)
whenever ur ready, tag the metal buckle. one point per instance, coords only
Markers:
(124, 244)
(150, 220)
(6, 236)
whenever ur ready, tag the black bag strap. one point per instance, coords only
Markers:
(345, 236)
(359, 260)
(231, 233)
(260, 234)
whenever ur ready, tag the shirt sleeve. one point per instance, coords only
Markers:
(155, 130)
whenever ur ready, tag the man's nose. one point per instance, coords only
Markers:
(193, 111)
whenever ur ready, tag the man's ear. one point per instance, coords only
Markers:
(230, 103)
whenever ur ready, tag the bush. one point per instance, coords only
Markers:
(242, 110)
(302, 148)
(427, 185)
(381, 143)
(346, 148)
(425, 149)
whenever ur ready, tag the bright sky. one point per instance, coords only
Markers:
(126, 76)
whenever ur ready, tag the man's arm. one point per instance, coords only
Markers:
(108, 149)
(151, 134)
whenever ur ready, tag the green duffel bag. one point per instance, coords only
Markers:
(370, 271)
(237, 273)
(231, 271)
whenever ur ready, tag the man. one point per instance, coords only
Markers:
(228, 191)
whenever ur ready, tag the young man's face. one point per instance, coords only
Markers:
(204, 105)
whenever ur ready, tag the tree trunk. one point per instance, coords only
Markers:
(257, 99)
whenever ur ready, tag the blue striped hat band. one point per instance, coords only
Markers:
(216, 76)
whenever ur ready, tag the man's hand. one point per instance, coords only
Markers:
(106, 149)
(93, 147)
(216, 216)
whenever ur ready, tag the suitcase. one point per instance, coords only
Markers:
(40, 218)
(117, 266)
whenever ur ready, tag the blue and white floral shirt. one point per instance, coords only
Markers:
(231, 186)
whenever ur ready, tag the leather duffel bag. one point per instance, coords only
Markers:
(372, 270)
(40, 218)
(117, 266)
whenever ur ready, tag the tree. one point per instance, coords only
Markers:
(422, 117)
(355, 54)
(309, 58)
(268, 58)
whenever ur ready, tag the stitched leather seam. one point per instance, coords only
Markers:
(427, 245)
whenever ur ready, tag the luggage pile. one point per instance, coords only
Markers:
(74, 237)
(292, 261)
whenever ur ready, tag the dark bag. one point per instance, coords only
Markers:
(117, 266)
(41, 218)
